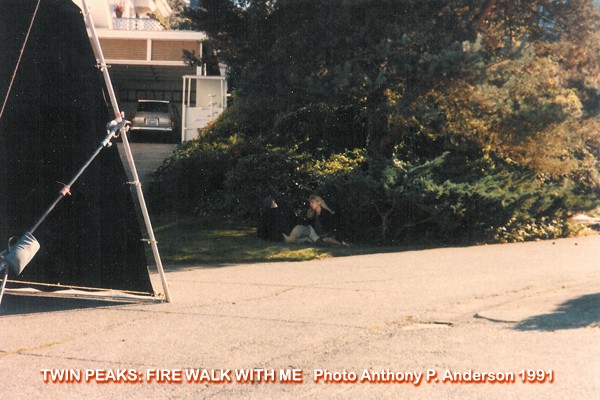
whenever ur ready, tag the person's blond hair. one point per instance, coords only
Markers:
(310, 213)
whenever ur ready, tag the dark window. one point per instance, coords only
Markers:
(153, 107)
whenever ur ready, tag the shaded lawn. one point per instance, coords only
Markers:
(191, 240)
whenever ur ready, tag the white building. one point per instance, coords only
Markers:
(146, 60)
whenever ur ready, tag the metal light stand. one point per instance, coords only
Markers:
(15, 259)
(136, 180)
(4, 271)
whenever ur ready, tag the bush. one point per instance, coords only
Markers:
(476, 211)
(356, 198)
(191, 180)
(275, 172)
(407, 204)
(284, 174)
(448, 199)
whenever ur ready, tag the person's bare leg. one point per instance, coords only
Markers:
(300, 234)
(335, 242)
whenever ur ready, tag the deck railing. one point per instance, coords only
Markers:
(137, 24)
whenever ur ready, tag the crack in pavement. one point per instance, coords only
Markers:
(500, 321)
(297, 286)
(223, 303)
(315, 323)
(128, 364)
(40, 347)
(5, 353)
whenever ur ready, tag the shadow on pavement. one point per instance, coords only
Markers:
(21, 305)
(576, 313)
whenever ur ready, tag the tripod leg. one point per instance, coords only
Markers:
(4, 279)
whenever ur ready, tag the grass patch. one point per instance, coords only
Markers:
(190, 241)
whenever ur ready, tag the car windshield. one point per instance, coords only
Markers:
(153, 107)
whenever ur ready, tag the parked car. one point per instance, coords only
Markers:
(156, 119)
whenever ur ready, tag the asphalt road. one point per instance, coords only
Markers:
(520, 312)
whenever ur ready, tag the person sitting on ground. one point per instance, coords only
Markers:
(274, 220)
(319, 228)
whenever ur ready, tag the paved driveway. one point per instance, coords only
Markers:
(147, 156)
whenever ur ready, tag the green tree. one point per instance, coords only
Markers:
(533, 101)
(382, 57)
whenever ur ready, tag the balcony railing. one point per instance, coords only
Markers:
(137, 24)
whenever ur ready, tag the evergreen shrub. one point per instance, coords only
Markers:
(418, 204)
